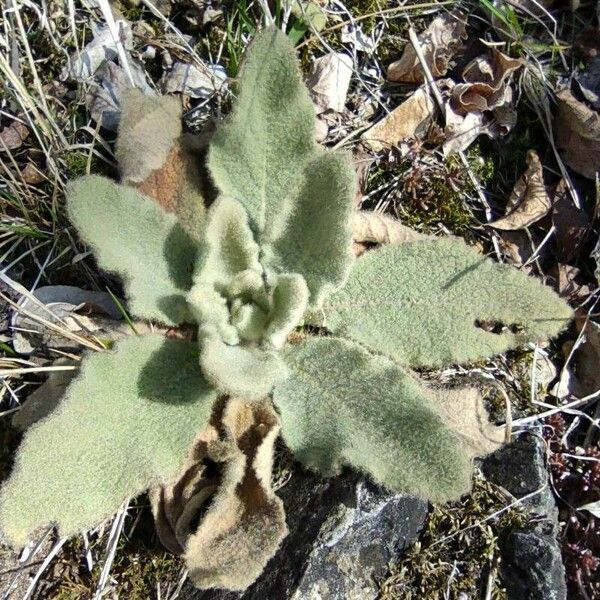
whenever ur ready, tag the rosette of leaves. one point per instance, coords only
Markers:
(272, 253)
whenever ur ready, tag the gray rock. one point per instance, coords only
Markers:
(532, 567)
(520, 468)
(343, 533)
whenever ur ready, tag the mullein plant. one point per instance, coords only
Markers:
(290, 331)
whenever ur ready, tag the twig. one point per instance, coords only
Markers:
(111, 548)
(49, 558)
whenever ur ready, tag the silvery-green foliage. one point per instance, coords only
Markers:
(273, 251)
(265, 156)
(244, 311)
(133, 237)
(342, 405)
(428, 303)
(124, 424)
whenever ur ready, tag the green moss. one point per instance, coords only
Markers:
(518, 364)
(427, 195)
(457, 551)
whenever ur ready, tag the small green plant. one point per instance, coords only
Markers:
(272, 253)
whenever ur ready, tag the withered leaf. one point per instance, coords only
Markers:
(221, 511)
(440, 42)
(577, 130)
(329, 80)
(564, 279)
(571, 224)
(379, 228)
(13, 135)
(529, 200)
(406, 121)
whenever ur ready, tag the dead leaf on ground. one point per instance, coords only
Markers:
(582, 377)
(571, 224)
(13, 135)
(82, 312)
(577, 130)
(196, 81)
(440, 42)
(221, 511)
(32, 174)
(409, 120)
(563, 278)
(329, 80)
(517, 246)
(529, 201)
(482, 104)
(102, 49)
(460, 130)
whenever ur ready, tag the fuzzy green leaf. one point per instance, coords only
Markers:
(242, 371)
(258, 155)
(229, 247)
(341, 405)
(426, 303)
(290, 298)
(125, 423)
(318, 239)
(133, 237)
(298, 196)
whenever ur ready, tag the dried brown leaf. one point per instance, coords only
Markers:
(329, 80)
(482, 104)
(440, 42)
(529, 200)
(577, 130)
(461, 130)
(32, 174)
(582, 376)
(13, 135)
(226, 483)
(409, 120)
(463, 412)
(571, 224)
(517, 247)
(377, 228)
(564, 279)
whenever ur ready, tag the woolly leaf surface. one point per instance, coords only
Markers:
(243, 371)
(298, 195)
(148, 129)
(210, 308)
(318, 238)
(134, 238)
(341, 405)
(426, 303)
(258, 155)
(125, 423)
(290, 298)
(229, 247)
